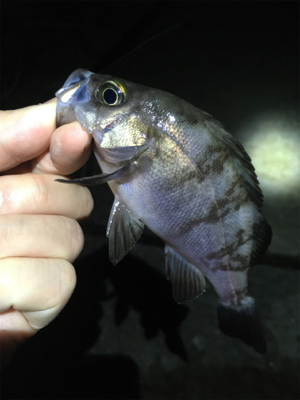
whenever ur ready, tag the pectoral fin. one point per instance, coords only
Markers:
(98, 179)
(123, 231)
(188, 282)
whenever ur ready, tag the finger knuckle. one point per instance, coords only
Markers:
(39, 194)
(76, 238)
(88, 202)
(67, 282)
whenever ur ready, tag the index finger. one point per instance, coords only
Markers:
(25, 133)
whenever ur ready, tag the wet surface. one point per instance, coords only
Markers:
(122, 335)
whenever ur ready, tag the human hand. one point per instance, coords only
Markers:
(39, 233)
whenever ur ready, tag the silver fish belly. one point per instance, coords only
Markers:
(175, 169)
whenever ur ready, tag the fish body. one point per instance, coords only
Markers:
(175, 169)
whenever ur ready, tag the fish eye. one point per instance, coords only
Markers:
(110, 93)
(110, 96)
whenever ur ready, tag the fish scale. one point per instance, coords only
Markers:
(175, 169)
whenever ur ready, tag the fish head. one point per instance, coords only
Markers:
(115, 111)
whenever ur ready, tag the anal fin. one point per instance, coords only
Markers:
(123, 231)
(188, 282)
(243, 322)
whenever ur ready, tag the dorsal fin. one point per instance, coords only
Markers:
(245, 168)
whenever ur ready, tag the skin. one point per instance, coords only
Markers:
(39, 233)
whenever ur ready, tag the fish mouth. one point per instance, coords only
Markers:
(74, 91)
(65, 94)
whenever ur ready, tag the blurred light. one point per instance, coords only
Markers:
(274, 147)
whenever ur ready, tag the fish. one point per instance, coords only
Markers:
(175, 169)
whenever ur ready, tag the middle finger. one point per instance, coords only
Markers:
(40, 236)
(40, 194)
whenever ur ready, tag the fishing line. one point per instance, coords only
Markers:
(147, 41)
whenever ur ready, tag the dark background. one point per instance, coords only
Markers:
(121, 335)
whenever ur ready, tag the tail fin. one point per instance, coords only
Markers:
(243, 322)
